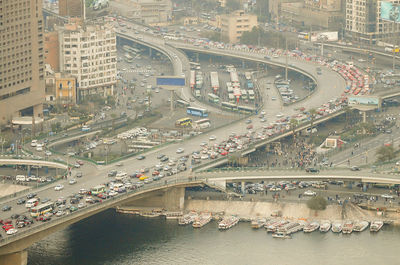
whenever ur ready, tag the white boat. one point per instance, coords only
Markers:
(228, 222)
(275, 226)
(337, 227)
(202, 220)
(325, 226)
(173, 215)
(375, 226)
(258, 223)
(290, 228)
(360, 226)
(281, 235)
(187, 218)
(347, 227)
(311, 227)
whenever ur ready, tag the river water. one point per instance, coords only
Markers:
(112, 238)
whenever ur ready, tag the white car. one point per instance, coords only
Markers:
(112, 193)
(59, 187)
(121, 174)
(48, 153)
(60, 213)
(274, 188)
(180, 150)
(310, 193)
(12, 231)
(72, 181)
(387, 196)
(212, 138)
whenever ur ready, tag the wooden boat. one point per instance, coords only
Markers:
(360, 226)
(325, 226)
(375, 226)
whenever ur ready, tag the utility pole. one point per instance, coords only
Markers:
(286, 60)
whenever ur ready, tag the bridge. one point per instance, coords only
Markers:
(31, 162)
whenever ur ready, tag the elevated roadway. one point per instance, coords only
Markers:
(31, 162)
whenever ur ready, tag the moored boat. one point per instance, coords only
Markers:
(375, 226)
(337, 227)
(311, 227)
(360, 226)
(258, 223)
(202, 220)
(289, 228)
(347, 227)
(281, 235)
(275, 226)
(173, 215)
(325, 226)
(228, 222)
(187, 218)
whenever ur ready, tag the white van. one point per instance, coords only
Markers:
(31, 203)
(20, 178)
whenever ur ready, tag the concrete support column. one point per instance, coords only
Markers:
(29, 170)
(243, 64)
(174, 198)
(149, 52)
(365, 187)
(197, 57)
(243, 185)
(18, 258)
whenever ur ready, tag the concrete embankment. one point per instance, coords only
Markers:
(7, 189)
(247, 209)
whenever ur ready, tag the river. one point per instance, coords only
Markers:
(112, 238)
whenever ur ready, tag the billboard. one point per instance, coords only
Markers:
(363, 101)
(170, 81)
(328, 36)
(390, 12)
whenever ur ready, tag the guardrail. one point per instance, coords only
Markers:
(107, 203)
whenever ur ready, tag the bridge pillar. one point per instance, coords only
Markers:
(365, 187)
(197, 57)
(29, 170)
(174, 198)
(243, 186)
(149, 52)
(17, 258)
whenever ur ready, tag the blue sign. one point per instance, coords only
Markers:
(170, 81)
(390, 12)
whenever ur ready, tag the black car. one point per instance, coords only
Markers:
(14, 216)
(21, 201)
(312, 170)
(6, 208)
(164, 159)
(31, 195)
(140, 157)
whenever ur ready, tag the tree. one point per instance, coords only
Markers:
(317, 203)
(293, 126)
(385, 153)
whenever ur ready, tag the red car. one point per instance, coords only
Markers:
(250, 126)
(155, 173)
(224, 153)
(102, 196)
(7, 227)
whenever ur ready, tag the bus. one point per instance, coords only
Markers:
(41, 209)
(229, 106)
(128, 58)
(184, 122)
(192, 79)
(197, 112)
(97, 190)
(202, 124)
(213, 98)
(251, 94)
(214, 82)
(246, 109)
(182, 103)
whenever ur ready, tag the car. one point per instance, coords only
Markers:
(275, 188)
(160, 156)
(312, 170)
(212, 138)
(14, 216)
(48, 153)
(60, 213)
(6, 208)
(73, 209)
(164, 159)
(11, 231)
(45, 200)
(180, 150)
(83, 191)
(387, 196)
(80, 162)
(141, 157)
(112, 173)
(355, 168)
(112, 193)
(249, 127)
(81, 205)
(31, 195)
(59, 187)
(21, 201)
(248, 121)
(310, 193)
(77, 165)
(79, 174)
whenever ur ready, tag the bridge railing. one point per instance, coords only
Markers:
(105, 204)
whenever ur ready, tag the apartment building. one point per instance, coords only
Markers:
(364, 24)
(153, 12)
(71, 8)
(21, 59)
(233, 25)
(88, 52)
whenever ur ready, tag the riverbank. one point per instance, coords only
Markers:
(250, 210)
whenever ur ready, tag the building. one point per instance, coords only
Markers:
(364, 23)
(233, 25)
(51, 50)
(88, 52)
(153, 12)
(322, 14)
(71, 8)
(61, 88)
(21, 59)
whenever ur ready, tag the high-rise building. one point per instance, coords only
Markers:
(22, 85)
(71, 8)
(233, 25)
(364, 23)
(88, 51)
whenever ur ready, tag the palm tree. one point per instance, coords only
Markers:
(293, 126)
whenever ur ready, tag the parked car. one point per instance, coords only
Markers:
(6, 208)
(310, 193)
(58, 187)
(312, 170)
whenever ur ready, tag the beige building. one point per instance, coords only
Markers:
(364, 24)
(322, 14)
(233, 25)
(21, 59)
(71, 8)
(89, 53)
